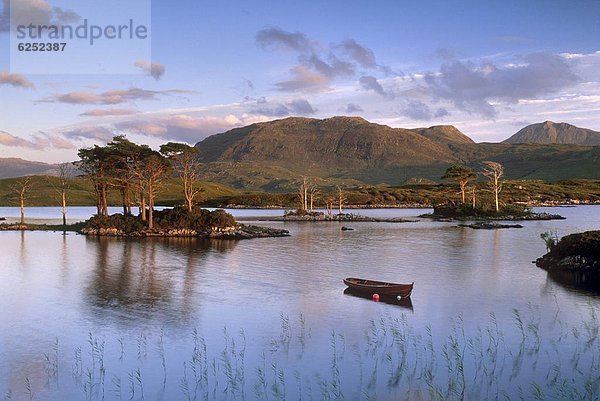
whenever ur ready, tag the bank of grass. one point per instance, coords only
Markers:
(531, 192)
(75, 227)
(81, 193)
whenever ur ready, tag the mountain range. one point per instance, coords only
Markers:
(14, 167)
(274, 155)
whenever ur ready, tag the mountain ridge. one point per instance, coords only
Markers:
(274, 154)
(11, 167)
(549, 132)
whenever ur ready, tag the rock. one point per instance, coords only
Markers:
(489, 225)
(576, 252)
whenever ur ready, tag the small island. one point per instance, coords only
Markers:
(307, 215)
(575, 252)
(489, 225)
(454, 211)
(175, 222)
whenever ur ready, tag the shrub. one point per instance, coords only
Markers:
(586, 245)
(550, 239)
(198, 219)
(127, 224)
(456, 209)
(176, 218)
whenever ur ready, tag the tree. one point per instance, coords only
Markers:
(120, 154)
(473, 190)
(313, 192)
(188, 168)
(95, 165)
(329, 205)
(462, 175)
(65, 174)
(303, 193)
(21, 187)
(341, 198)
(151, 172)
(494, 172)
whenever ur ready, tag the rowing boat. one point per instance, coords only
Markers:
(379, 287)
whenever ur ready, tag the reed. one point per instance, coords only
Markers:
(395, 361)
(28, 388)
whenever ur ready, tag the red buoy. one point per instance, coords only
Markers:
(376, 297)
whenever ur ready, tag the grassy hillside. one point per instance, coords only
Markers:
(214, 195)
(42, 193)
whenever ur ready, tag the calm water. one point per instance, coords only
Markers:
(87, 319)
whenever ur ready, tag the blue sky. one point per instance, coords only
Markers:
(487, 67)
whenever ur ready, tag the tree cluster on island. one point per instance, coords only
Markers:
(466, 177)
(309, 193)
(138, 172)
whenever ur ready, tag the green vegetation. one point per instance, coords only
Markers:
(178, 218)
(531, 192)
(460, 210)
(42, 227)
(81, 193)
(462, 175)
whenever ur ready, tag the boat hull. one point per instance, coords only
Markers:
(379, 287)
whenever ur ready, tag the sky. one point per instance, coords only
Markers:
(487, 67)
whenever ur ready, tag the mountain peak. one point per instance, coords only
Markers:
(550, 132)
(444, 133)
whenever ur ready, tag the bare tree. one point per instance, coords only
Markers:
(313, 193)
(21, 187)
(150, 174)
(66, 172)
(494, 172)
(188, 168)
(303, 193)
(329, 205)
(341, 198)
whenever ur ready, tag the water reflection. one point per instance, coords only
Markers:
(154, 278)
(578, 281)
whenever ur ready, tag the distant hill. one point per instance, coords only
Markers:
(447, 134)
(352, 151)
(13, 167)
(348, 150)
(550, 132)
(338, 142)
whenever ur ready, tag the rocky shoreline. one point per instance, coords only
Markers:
(575, 252)
(242, 231)
(322, 217)
(528, 217)
(234, 232)
(489, 225)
